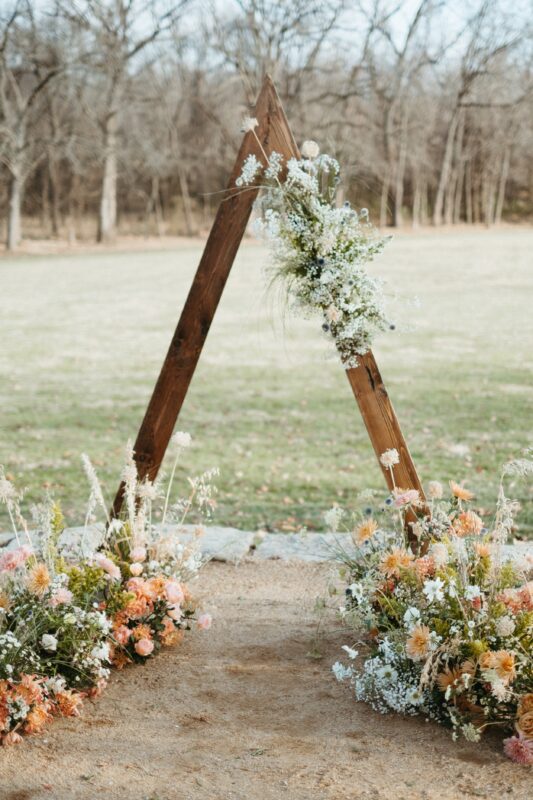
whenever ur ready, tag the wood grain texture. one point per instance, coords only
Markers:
(220, 250)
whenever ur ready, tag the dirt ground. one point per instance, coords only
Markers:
(245, 711)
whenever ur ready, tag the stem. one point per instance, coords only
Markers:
(170, 481)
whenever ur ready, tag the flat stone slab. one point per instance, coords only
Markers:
(216, 543)
(303, 546)
(230, 544)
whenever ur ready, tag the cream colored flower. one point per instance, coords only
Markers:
(310, 149)
(417, 646)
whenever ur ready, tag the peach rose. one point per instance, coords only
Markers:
(525, 724)
(525, 704)
(122, 634)
(144, 647)
(138, 554)
(204, 621)
(174, 592)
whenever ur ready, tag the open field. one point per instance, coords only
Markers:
(83, 337)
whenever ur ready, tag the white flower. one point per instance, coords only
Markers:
(433, 590)
(357, 591)
(505, 626)
(249, 124)
(435, 490)
(250, 169)
(101, 652)
(411, 616)
(181, 439)
(8, 493)
(69, 619)
(389, 458)
(333, 517)
(472, 592)
(341, 672)
(500, 691)
(351, 653)
(415, 697)
(49, 642)
(439, 552)
(310, 149)
(387, 673)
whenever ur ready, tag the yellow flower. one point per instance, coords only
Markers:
(365, 531)
(504, 665)
(449, 677)
(468, 524)
(5, 604)
(393, 562)
(417, 646)
(460, 492)
(39, 579)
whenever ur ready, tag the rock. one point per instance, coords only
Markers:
(303, 546)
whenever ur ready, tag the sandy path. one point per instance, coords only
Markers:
(243, 712)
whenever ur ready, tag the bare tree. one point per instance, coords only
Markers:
(119, 31)
(28, 64)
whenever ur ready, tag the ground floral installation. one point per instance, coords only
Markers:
(64, 623)
(450, 622)
(319, 249)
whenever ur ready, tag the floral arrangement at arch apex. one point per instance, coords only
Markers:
(319, 249)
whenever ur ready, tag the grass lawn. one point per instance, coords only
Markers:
(83, 337)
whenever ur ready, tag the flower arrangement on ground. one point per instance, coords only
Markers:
(450, 621)
(64, 623)
(319, 249)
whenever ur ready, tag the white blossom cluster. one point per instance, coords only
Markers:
(320, 250)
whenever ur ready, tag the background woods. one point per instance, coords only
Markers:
(123, 112)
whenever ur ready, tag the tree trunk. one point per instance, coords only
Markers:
(187, 206)
(469, 192)
(458, 203)
(384, 202)
(13, 218)
(55, 214)
(417, 202)
(445, 169)
(400, 175)
(504, 172)
(107, 219)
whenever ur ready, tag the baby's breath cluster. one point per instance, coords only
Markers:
(318, 248)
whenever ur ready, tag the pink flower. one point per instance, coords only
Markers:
(138, 554)
(144, 647)
(61, 596)
(122, 634)
(405, 497)
(135, 585)
(108, 566)
(174, 592)
(519, 749)
(136, 569)
(175, 613)
(204, 621)
(14, 558)
(12, 738)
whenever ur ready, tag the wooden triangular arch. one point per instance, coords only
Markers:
(230, 223)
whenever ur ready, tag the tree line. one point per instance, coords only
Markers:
(110, 108)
